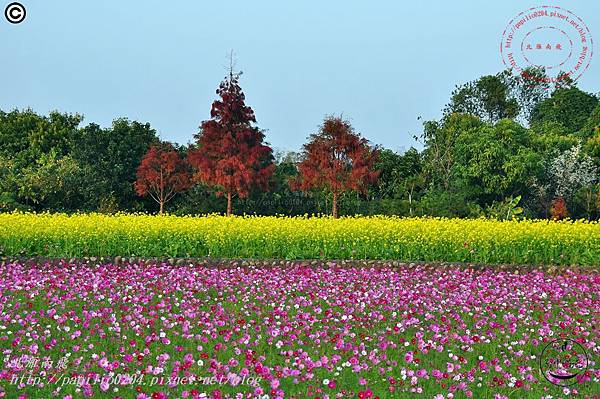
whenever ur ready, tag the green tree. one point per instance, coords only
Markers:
(387, 165)
(9, 185)
(586, 201)
(592, 148)
(496, 162)
(400, 176)
(591, 127)
(110, 158)
(25, 135)
(570, 107)
(52, 183)
(36, 170)
(529, 88)
(489, 98)
(439, 139)
(15, 129)
(501, 96)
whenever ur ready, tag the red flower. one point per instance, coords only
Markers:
(519, 384)
(365, 394)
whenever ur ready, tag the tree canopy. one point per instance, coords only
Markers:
(231, 154)
(505, 146)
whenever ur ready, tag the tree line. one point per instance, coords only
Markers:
(506, 146)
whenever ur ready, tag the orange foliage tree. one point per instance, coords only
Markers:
(559, 210)
(231, 155)
(162, 174)
(336, 159)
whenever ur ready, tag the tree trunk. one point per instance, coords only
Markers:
(335, 210)
(228, 204)
(162, 192)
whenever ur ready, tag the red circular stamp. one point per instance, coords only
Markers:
(547, 37)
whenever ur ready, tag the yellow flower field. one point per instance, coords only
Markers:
(406, 239)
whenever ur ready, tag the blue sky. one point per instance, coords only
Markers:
(381, 63)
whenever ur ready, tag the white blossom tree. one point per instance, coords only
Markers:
(571, 170)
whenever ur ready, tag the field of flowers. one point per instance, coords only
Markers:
(152, 330)
(416, 239)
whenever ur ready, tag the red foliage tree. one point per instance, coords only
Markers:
(230, 154)
(337, 160)
(162, 174)
(559, 210)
